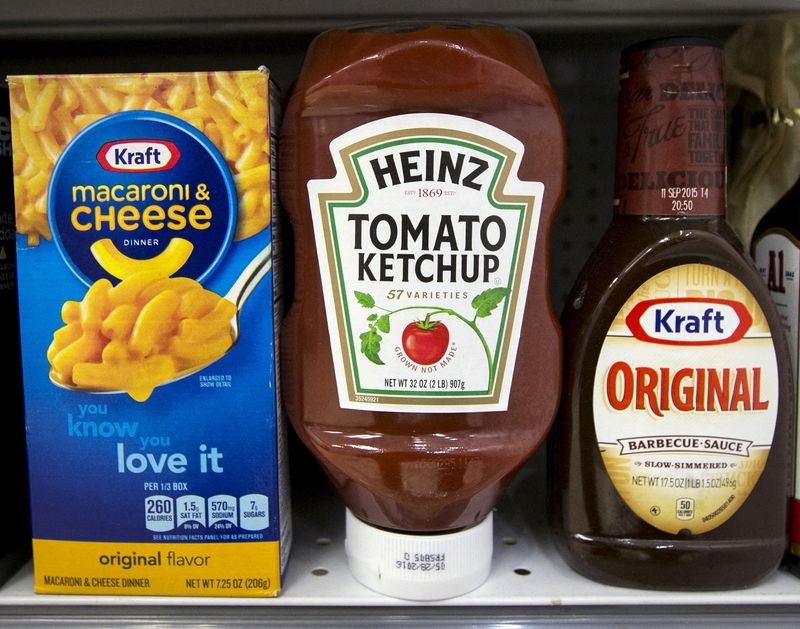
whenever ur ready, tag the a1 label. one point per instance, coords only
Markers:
(777, 256)
(425, 239)
(685, 398)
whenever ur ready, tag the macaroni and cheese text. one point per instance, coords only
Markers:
(230, 108)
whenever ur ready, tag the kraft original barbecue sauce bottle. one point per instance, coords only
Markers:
(670, 464)
(421, 168)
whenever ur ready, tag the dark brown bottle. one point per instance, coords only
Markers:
(776, 251)
(670, 461)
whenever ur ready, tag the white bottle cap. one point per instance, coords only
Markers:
(419, 567)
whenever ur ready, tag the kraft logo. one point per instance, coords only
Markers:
(140, 156)
(689, 321)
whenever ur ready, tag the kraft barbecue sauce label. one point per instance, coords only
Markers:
(685, 398)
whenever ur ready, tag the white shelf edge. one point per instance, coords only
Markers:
(549, 584)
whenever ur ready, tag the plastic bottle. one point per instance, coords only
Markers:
(670, 464)
(421, 168)
(776, 251)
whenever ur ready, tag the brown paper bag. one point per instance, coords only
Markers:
(763, 86)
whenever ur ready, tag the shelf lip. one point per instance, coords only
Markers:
(438, 618)
(527, 573)
(778, 592)
(203, 18)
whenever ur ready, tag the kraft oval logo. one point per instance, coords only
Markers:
(139, 156)
(689, 321)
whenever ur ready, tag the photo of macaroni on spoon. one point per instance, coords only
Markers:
(149, 329)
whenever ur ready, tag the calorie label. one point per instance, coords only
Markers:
(221, 512)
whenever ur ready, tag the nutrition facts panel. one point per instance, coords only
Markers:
(221, 512)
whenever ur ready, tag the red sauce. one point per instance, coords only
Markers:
(409, 465)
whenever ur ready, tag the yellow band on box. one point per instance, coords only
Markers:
(212, 569)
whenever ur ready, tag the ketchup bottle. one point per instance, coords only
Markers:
(421, 168)
(670, 464)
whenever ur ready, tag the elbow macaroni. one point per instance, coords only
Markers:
(230, 108)
(116, 263)
(132, 337)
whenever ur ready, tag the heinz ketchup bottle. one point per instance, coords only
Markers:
(671, 460)
(421, 168)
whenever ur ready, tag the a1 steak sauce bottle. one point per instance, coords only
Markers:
(776, 252)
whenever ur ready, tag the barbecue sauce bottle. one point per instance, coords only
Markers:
(670, 463)
(421, 167)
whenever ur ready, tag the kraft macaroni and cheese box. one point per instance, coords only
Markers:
(149, 304)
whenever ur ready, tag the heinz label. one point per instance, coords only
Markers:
(686, 397)
(425, 239)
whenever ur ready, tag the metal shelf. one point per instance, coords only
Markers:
(188, 17)
(529, 586)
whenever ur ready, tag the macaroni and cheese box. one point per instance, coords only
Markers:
(149, 301)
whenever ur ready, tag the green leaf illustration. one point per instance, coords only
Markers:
(365, 299)
(371, 345)
(383, 324)
(485, 302)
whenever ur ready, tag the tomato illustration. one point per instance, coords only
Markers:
(425, 342)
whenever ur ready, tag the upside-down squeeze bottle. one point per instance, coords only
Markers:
(671, 460)
(421, 168)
